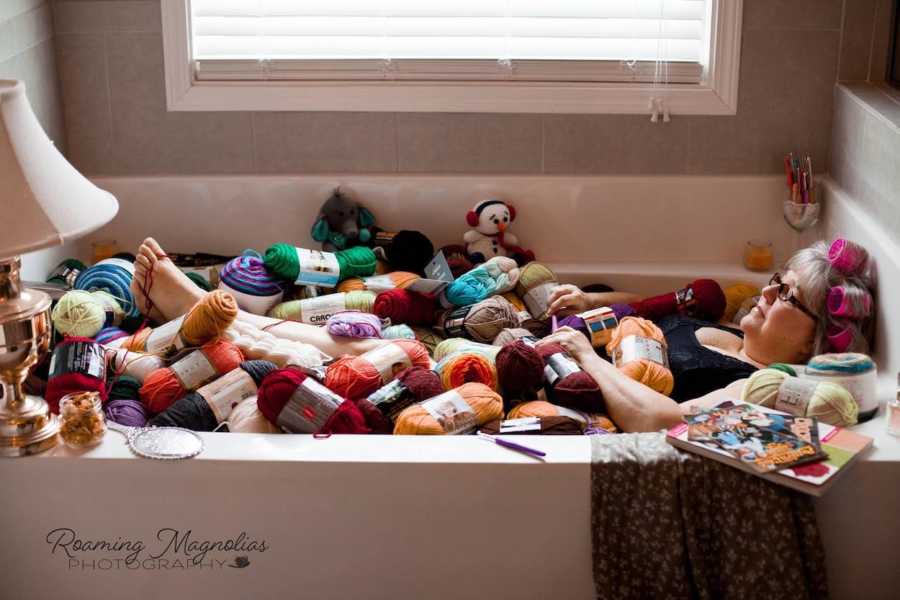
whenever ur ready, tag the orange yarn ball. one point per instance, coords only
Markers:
(358, 376)
(416, 420)
(649, 372)
(540, 408)
(207, 320)
(465, 367)
(399, 279)
(163, 387)
(351, 284)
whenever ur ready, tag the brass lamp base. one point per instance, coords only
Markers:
(26, 425)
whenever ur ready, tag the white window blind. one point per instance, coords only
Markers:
(578, 40)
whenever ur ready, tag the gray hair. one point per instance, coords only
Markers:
(815, 278)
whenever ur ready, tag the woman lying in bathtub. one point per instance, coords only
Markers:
(709, 362)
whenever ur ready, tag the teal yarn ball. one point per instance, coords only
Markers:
(395, 332)
(471, 288)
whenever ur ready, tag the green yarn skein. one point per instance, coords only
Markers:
(281, 260)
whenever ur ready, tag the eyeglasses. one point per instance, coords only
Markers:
(786, 294)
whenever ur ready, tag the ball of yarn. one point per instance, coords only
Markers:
(509, 335)
(458, 368)
(258, 344)
(212, 404)
(78, 314)
(520, 369)
(135, 364)
(113, 276)
(548, 426)
(79, 365)
(164, 386)
(847, 362)
(354, 324)
(653, 374)
(200, 281)
(124, 411)
(124, 387)
(281, 260)
(208, 319)
(457, 259)
(828, 402)
(412, 385)
(480, 322)
(108, 335)
(254, 288)
(115, 315)
(317, 310)
(455, 345)
(405, 250)
(428, 337)
(735, 295)
(398, 332)
(379, 283)
(358, 376)
(496, 276)
(536, 282)
(405, 306)
(855, 372)
(701, 299)
(486, 404)
(316, 410)
(247, 418)
(567, 383)
(543, 410)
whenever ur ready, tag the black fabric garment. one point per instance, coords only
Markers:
(698, 370)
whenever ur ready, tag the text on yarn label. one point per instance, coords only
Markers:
(388, 360)
(165, 339)
(452, 412)
(87, 358)
(317, 311)
(537, 299)
(228, 391)
(194, 370)
(318, 268)
(636, 347)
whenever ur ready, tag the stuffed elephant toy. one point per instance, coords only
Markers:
(342, 223)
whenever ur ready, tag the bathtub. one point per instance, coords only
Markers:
(442, 517)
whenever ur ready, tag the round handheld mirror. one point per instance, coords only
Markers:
(163, 443)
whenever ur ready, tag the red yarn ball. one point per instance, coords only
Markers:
(577, 390)
(422, 384)
(336, 414)
(701, 299)
(404, 306)
(71, 382)
(358, 376)
(520, 368)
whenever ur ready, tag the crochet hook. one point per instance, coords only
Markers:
(533, 452)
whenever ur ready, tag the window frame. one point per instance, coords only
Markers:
(716, 95)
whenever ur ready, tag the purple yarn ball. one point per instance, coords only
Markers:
(130, 413)
(354, 324)
(623, 310)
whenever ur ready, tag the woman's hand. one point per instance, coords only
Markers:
(567, 300)
(574, 342)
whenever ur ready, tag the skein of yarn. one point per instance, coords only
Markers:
(701, 299)
(134, 364)
(520, 370)
(567, 384)
(405, 306)
(124, 387)
(379, 283)
(384, 404)
(496, 276)
(315, 267)
(398, 332)
(251, 284)
(480, 322)
(247, 418)
(465, 366)
(536, 282)
(78, 364)
(107, 335)
(542, 410)
(164, 386)
(540, 426)
(457, 259)
(855, 372)
(428, 337)
(735, 296)
(828, 402)
(212, 404)
(406, 250)
(456, 345)
(297, 403)
(354, 324)
(638, 349)
(258, 344)
(510, 335)
(454, 412)
(596, 324)
(78, 314)
(112, 275)
(317, 310)
(358, 376)
(128, 412)
(200, 281)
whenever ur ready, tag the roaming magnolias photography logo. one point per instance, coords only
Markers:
(172, 549)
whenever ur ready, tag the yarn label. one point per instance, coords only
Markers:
(318, 268)
(523, 424)
(194, 370)
(388, 360)
(317, 311)
(391, 399)
(794, 395)
(427, 286)
(537, 299)
(600, 323)
(636, 347)
(87, 358)
(309, 408)
(559, 366)
(455, 321)
(379, 283)
(165, 339)
(452, 412)
(226, 392)
(684, 300)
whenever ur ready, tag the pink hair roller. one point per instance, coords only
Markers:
(846, 256)
(840, 338)
(840, 305)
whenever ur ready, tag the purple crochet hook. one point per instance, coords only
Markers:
(533, 452)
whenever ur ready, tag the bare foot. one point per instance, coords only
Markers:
(171, 292)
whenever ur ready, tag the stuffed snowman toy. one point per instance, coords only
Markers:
(489, 236)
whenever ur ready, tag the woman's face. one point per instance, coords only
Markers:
(776, 330)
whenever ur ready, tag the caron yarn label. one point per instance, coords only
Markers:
(537, 299)
(87, 358)
(455, 320)
(318, 268)
(794, 395)
(317, 311)
(452, 412)
(600, 323)
(165, 339)
(194, 370)
(636, 347)
(309, 407)
(228, 391)
(559, 366)
(388, 360)
(391, 399)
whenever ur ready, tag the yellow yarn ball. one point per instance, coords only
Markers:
(830, 403)
(451, 345)
(78, 313)
(735, 295)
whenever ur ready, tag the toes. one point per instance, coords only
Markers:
(155, 248)
(142, 263)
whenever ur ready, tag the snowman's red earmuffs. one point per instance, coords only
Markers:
(473, 215)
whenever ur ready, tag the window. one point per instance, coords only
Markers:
(621, 56)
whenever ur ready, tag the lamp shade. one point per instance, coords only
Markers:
(44, 200)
